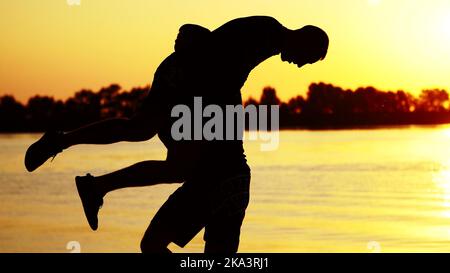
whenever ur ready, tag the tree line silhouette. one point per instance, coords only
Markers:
(324, 106)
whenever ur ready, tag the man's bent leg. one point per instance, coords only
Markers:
(153, 242)
(222, 235)
(141, 174)
(223, 229)
(92, 189)
(102, 132)
(178, 220)
(110, 131)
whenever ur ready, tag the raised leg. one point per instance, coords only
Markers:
(145, 173)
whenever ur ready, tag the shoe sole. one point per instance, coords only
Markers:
(30, 168)
(83, 202)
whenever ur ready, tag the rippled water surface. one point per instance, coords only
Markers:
(321, 191)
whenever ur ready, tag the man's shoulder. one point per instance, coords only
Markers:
(259, 18)
(167, 67)
(262, 18)
(252, 21)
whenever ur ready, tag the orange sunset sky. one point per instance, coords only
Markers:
(52, 48)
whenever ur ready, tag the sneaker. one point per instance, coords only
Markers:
(46, 147)
(91, 200)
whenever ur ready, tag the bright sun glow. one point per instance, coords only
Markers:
(446, 132)
(392, 45)
(444, 27)
(374, 2)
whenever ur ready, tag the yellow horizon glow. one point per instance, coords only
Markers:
(51, 48)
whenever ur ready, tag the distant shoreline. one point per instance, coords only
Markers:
(313, 128)
(325, 107)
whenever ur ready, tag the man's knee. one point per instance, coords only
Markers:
(153, 244)
(230, 246)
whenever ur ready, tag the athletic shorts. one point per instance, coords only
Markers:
(217, 206)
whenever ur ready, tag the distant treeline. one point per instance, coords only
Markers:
(325, 106)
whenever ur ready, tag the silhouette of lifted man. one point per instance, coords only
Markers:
(215, 193)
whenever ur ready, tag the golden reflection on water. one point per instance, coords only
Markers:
(442, 180)
(320, 191)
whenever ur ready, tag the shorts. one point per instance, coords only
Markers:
(217, 206)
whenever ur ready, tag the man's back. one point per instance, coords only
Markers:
(241, 44)
(217, 75)
(236, 48)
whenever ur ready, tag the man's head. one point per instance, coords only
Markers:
(304, 46)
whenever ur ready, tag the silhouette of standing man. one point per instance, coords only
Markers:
(215, 193)
(222, 175)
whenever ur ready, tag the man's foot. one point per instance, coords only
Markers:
(49, 145)
(92, 201)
